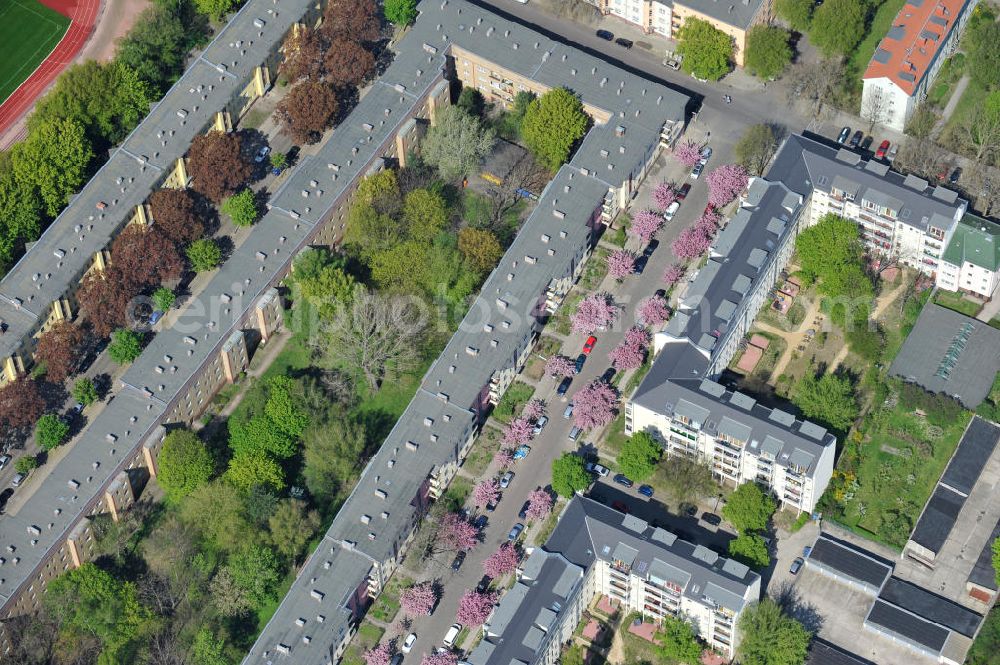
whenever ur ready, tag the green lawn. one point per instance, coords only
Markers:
(956, 302)
(29, 31)
(516, 396)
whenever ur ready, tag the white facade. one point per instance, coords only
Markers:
(971, 263)
(660, 14)
(968, 277)
(886, 103)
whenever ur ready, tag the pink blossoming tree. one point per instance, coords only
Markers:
(519, 431)
(663, 195)
(474, 607)
(419, 599)
(637, 336)
(501, 562)
(691, 242)
(503, 458)
(486, 492)
(594, 405)
(653, 311)
(725, 182)
(708, 223)
(596, 311)
(627, 355)
(645, 224)
(440, 658)
(673, 273)
(380, 655)
(457, 534)
(688, 153)
(533, 410)
(559, 366)
(621, 264)
(539, 505)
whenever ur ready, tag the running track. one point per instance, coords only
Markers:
(82, 14)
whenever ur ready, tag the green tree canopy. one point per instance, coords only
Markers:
(369, 231)
(255, 569)
(125, 346)
(164, 298)
(156, 45)
(242, 207)
(292, 526)
(838, 26)
(84, 392)
(639, 456)
(983, 57)
(750, 549)
(400, 12)
(798, 13)
(828, 398)
(332, 454)
(707, 51)
(252, 467)
(185, 464)
(26, 463)
(770, 637)
(678, 642)
(569, 475)
(827, 247)
(204, 254)
(754, 149)
(207, 649)
(552, 126)
(20, 211)
(50, 431)
(425, 213)
(749, 508)
(322, 279)
(767, 52)
(457, 143)
(378, 187)
(53, 160)
(217, 511)
(215, 9)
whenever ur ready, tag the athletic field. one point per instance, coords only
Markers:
(28, 32)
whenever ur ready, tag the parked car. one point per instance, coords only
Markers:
(806, 551)
(883, 147)
(4, 497)
(606, 35)
(696, 171)
(640, 264)
(492, 505)
(672, 64)
(609, 374)
(844, 133)
(955, 175)
(408, 642)
(892, 153)
(588, 346)
(856, 139)
(564, 386)
(515, 532)
(523, 513)
(706, 153)
(646, 491)
(262, 154)
(650, 248)
(481, 522)
(484, 583)
(505, 479)
(568, 412)
(683, 191)
(452, 635)
(619, 506)
(796, 566)
(18, 479)
(574, 433)
(539, 425)
(4, 461)
(660, 293)
(671, 210)
(457, 562)
(711, 518)
(623, 480)
(599, 469)
(624, 43)
(580, 359)
(522, 452)
(397, 659)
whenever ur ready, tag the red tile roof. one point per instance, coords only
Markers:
(909, 48)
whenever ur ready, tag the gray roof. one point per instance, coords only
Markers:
(906, 626)
(739, 13)
(983, 573)
(950, 353)
(824, 653)
(850, 561)
(930, 606)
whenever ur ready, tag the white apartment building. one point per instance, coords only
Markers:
(971, 262)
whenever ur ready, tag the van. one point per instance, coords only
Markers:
(671, 210)
(574, 433)
(452, 635)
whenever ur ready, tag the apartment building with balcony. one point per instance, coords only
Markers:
(971, 260)
(596, 550)
(907, 60)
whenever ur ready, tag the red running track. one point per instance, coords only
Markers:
(82, 14)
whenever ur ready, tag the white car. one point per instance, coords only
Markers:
(408, 642)
(599, 469)
(696, 171)
(451, 635)
(4, 461)
(539, 425)
(262, 154)
(505, 481)
(671, 210)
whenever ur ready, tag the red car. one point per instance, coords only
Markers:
(883, 148)
(588, 346)
(683, 191)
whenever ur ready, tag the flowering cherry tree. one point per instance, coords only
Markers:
(673, 273)
(594, 405)
(597, 310)
(380, 655)
(691, 242)
(708, 223)
(645, 224)
(725, 182)
(486, 492)
(621, 264)
(539, 505)
(440, 658)
(688, 153)
(533, 410)
(419, 599)
(456, 533)
(503, 458)
(637, 336)
(474, 607)
(663, 195)
(653, 311)
(503, 561)
(630, 353)
(517, 432)
(559, 367)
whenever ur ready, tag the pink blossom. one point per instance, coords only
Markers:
(419, 599)
(626, 356)
(504, 560)
(503, 458)
(519, 431)
(621, 263)
(653, 311)
(539, 505)
(474, 607)
(594, 405)
(688, 153)
(691, 243)
(486, 492)
(440, 658)
(708, 223)
(559, 367)
(663, 195)
(596, 311)
(533, 410)
(673, 273)
(380, 655)
(725, 182)
(637, 336)
(456, 533)
(645, 224)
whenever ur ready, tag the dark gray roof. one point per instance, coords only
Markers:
(739, 13)
(974, 450)
(983, 574)
(930, 606)
(950, 353)
(850, 561)
(938, 518)
(824, 653)
(909, 627)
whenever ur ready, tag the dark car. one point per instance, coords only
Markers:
(624, 43)
(844, 133)
(683, 191)
(457, 562)
(711, 518)
(4, 496)
(650, 248)
(660, 293)
(580, 359)
(484, 584)
(523, 513)
(515, 532)
(856, 139)
(606, 35)
(564, 386)
(689, 509)
(609, 374)
(624, 480)
(955, 175)
(640, 264)
(796, 566)
(481, 522)
(867, 143)
(646, 491)
(619, 506)
(492, 505)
